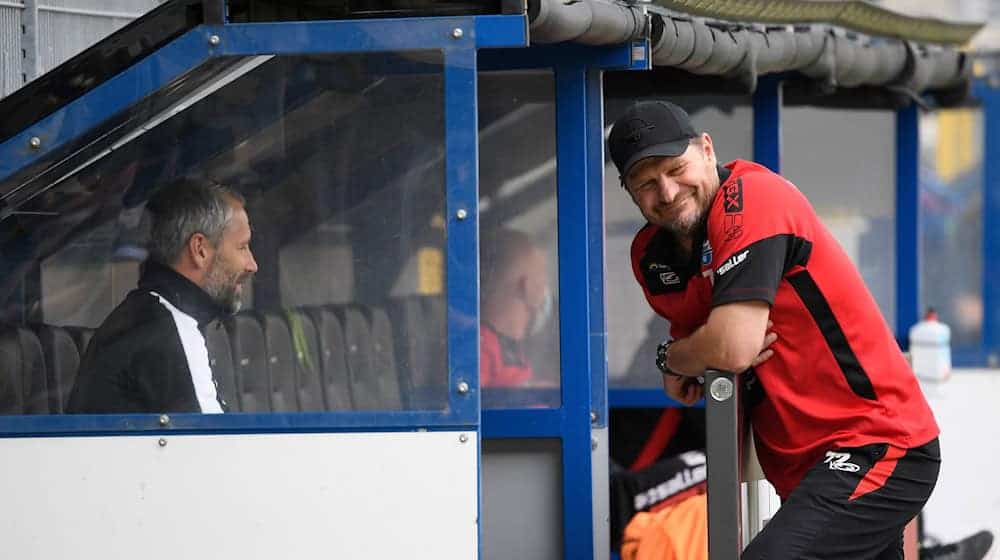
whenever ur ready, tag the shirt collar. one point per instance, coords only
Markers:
(179, 291)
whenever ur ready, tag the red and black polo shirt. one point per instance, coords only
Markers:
(837, 378)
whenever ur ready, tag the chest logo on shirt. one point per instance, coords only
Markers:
(706, 253)
(733, 226)
(733, 196)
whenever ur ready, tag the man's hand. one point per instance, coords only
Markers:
(685, 390)
(765, 349)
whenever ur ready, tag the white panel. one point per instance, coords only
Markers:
(382, 495)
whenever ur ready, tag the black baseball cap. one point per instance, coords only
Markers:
(647, 129)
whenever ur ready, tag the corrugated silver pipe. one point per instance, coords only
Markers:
(744, 51)
(590, 22)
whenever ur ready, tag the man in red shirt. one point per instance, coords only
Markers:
(842, 429)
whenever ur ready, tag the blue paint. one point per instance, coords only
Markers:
(907, 221)
(990, 98)
(620, 57)
(88, 111)
(575, 307)
(462, 196)
(598, 335)
(105, 424)
(767, 123)
(501, 31)
(522, 423)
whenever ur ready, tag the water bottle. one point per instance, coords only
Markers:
(930, 348)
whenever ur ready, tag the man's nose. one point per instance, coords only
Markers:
(668, 189)
(252, 265)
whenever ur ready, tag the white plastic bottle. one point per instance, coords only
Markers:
(930, 348)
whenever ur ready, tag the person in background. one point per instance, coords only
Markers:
(515, 302)
(150, 355)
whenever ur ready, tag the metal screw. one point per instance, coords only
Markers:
(214, 40)
(593, 444)
(463, 438)
(721, 389)
(35, 142)
(457, 33)
(164, 420)
(461, 214)
(462, 387)
(593, 417)
(162, 442)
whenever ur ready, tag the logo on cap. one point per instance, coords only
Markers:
(635, 128)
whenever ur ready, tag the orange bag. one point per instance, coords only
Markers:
(676, 532)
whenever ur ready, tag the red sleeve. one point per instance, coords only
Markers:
(758, 230)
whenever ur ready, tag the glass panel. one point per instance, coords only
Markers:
(853, 192)
(340, 162)
(951, 220)
(634, 329)
(519, 288)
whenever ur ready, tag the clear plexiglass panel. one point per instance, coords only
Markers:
(951, 220)
(335, 164)
(519, 288)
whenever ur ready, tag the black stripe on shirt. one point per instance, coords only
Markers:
(819, 308)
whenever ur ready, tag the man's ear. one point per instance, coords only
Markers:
(707, 146)
(200, 250)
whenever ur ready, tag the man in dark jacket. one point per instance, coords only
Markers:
(150, 355)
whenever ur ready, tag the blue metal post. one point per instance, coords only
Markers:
(767, 123)
(575, 310)
(907, 221)
(988, 92)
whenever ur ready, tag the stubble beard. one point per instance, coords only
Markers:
(222, 288)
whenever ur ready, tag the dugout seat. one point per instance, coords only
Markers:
(335, 381)
(62, 361)
(220, 358)
(280, 363)
(358, 342)
(305, 347)
(24, 389)
(384, 369)
(246, 342)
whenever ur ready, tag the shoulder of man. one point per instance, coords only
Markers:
(752, 203)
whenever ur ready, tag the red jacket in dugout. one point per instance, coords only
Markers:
(837, 377)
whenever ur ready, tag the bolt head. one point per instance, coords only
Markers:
(214, 40)
(164, 420)
(593, 444)
(593, 417)
(457, 33)
(462, 214)
(721, 389)
(162, 442)
(463, 438)
(35, 142)
(462, 387)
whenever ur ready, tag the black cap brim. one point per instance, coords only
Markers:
(666, 149)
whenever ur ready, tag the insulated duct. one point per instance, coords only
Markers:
(744, 51)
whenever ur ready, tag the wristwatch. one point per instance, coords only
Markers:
(662, 351)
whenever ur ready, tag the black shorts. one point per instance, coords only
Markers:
(853, 505)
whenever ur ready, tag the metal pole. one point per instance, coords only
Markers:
(723, 442)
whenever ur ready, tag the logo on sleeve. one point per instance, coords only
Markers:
(706, 253)
(732, 262)
(667, 276)
(732, 194)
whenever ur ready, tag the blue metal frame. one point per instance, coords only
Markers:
(767, 122)
(907, 221)
(582, 331)
(988, 92)
(194, 48)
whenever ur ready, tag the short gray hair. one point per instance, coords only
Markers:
(186, 207)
